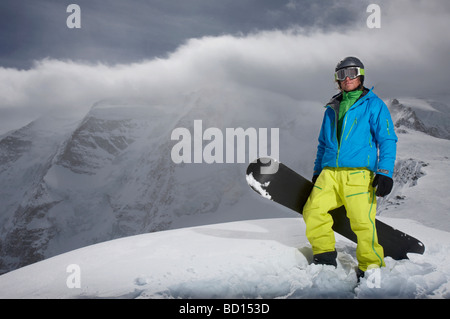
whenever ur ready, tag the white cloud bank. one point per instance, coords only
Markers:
(408, 55)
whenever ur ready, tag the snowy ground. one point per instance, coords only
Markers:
(267, 258)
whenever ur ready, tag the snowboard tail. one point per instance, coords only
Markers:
(292, 190)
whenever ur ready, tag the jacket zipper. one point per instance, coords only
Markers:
(338, 141)
(336, 134)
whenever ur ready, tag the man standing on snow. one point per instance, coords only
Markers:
(356, 153)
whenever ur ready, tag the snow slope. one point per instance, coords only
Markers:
(267, 258)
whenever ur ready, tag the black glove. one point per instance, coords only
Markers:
(384, 184)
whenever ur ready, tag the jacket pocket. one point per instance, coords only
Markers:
(355, 122)
(358, 183)
(358, 178)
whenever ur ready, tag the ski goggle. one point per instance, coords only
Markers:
(352, 73)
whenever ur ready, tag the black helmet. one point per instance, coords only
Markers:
(349, 61)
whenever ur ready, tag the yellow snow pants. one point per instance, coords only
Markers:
(351, 187)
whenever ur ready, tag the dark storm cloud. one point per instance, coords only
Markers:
(118, 31)
(244, 48)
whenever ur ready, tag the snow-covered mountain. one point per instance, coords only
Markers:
(70, 183)
(430, 117)
(423, 158)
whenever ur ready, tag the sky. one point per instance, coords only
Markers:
(159, 48)
(117, 31)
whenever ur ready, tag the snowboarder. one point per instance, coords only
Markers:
(354, 164)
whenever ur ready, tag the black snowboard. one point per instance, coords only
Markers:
(292, 190)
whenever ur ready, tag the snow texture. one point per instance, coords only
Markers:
(267, 258)
(260, 188)
(98, 202)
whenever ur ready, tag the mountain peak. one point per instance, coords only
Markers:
(426, 116)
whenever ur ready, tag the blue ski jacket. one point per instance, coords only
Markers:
(367, 138)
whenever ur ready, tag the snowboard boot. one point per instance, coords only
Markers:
(328, 258)
(359, 274)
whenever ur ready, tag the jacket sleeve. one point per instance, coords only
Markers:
(386, 139)
(320, 150)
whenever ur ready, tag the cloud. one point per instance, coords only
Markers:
(406, 57)
(123, 32)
